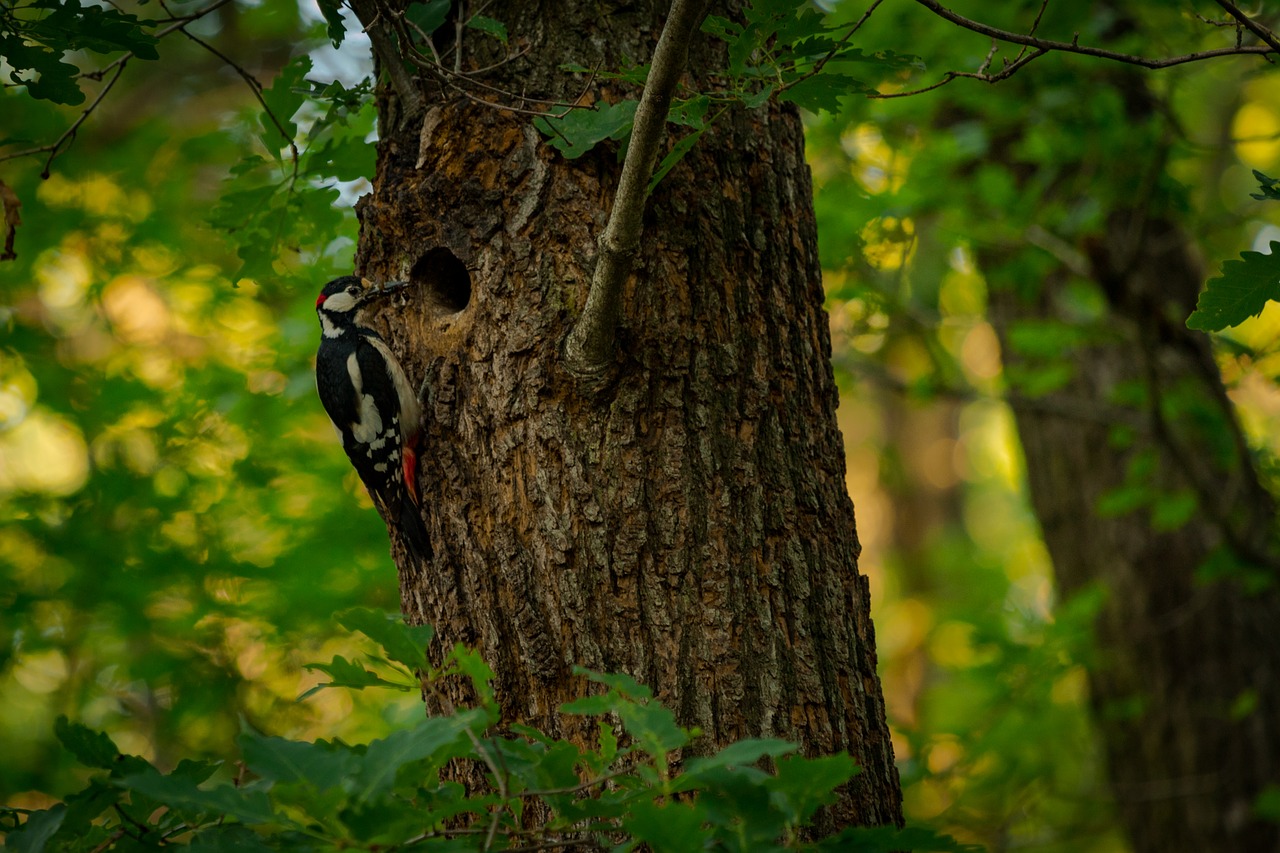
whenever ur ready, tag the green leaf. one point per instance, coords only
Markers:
(690, 112)
(674, 156)
(1267, 805)
(92, 749)
(1123, 500)
(1170, 511)
(345, 673)
(36, 832)
(618, 681)
(441, 738)
(653, 726)
(332, 11)
(578, 131)
(822, 92)
(246, 804)
(228, 838)
(321, 764)
(403, 643)
(497, 29)
(1240, 292)
(285, 96)
(1270, 187)
(471, 664)
(743, 753)
(53, 79)
(675, 827)
(803, 785)
(428, 16)
(70, 26)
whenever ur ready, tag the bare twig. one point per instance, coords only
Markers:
(54, 148)
(1004, 73)
(256, 88)
(589, 347)
(1251, 25)
(70, 133)
(1046, 45)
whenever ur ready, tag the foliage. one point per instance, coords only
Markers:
(404, 789)
(1245, 286)
(169, 491)
(778, 51)
(35, 36)
(171, 566)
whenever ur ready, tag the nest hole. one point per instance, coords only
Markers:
(445, 277)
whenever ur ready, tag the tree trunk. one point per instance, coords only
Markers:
(1186, 685)
(685, 521)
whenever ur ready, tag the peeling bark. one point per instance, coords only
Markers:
(685, 522)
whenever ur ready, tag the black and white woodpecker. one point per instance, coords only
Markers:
(371, 403)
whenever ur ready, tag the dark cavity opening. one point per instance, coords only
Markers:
(445, 277)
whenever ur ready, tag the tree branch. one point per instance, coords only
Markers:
(589, 347)
(54, 148)
(1251, 25)
(1101, 53)
(379, 31)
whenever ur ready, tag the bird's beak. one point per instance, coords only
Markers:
(377, 291)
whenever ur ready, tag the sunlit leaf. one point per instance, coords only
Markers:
(1240, 292)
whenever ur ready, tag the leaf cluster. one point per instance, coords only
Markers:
(778, 50)
(624, 792)
(286, 199)
(36, 35)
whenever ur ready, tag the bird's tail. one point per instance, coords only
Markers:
(417, 540)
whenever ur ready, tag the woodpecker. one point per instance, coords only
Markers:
(372, 405)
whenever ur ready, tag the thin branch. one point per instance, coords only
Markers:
(70, 133)
(1004, 73)
(1251, 25)
(589, 347)
(1046, 45)
(376, 26)
(54, 148)
(256, 88)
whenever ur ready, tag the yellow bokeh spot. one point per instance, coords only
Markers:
(17, 392)
(1071, 688)
(875, 165)
(42, 672)
(944, 754)
(44, 454)
(980, 353)
(951, 645)
(902, 626)
(1256, 129)
(137, 313)
(97, 195)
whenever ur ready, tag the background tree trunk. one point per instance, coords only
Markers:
(687, 522)
(1186, 686)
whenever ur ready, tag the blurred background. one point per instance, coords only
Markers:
(167, 508)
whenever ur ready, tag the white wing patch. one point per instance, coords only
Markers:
(410, 412)
(368, 425)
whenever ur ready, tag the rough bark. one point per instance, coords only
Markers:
(1186, 687)
(686, 521)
